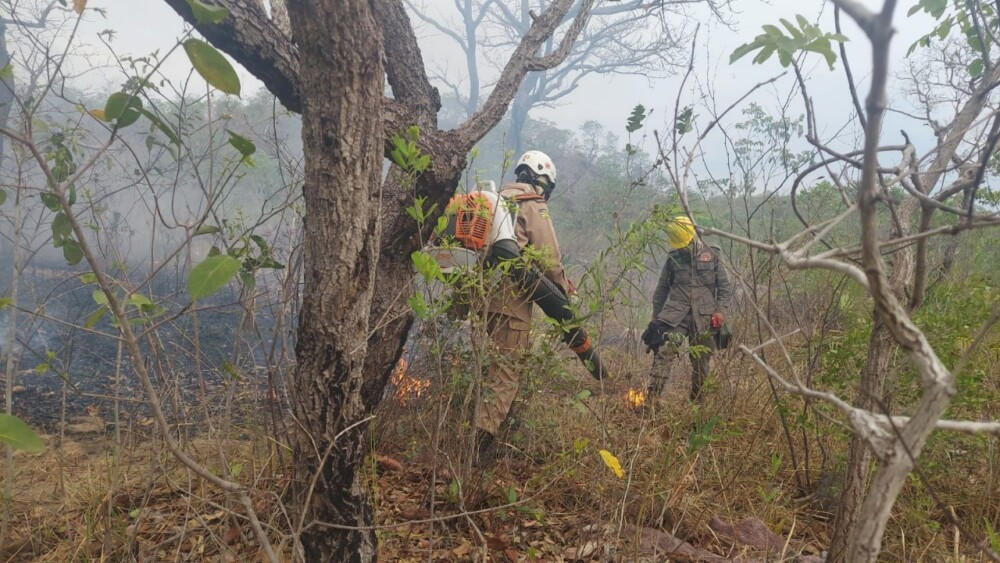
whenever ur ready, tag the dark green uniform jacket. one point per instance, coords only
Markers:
(693, 285)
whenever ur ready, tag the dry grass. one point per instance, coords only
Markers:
(741, 468)
(90, 499)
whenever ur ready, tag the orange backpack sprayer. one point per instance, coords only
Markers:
(482, 222)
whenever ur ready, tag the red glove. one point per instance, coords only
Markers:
(717, 320)
(572, 287)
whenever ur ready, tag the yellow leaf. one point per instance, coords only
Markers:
(612, 462)
(79, 5)
(98, 114)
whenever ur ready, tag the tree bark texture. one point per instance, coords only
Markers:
(341, 79)
(858, 470)
(331, 71)
(871, 391)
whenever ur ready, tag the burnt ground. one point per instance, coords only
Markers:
(66, 370)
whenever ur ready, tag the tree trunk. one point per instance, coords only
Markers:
(871, 391)
(519, 118)
(341, 79)
(391, 316)
(857, 473)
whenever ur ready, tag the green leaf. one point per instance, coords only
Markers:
(61, 226)
(123, 108)
(5, 302)
(211, 275)
(247, 279)
(18, 435)
(207, 230)
(207, 14)
(976, 68)
(684, 123)
(96, 316)
(442, 224)
(772, 30)
(161, 126)
(944, 29)
(72, 252)
(212, 66)
(231, 370)
(419, 305)
(50, 201)
(99, 297)
(139, 300)
(3, 197)
(635, 120)
(935, 8)
(242, 144)
(88, 278)
(744, 50)
(993, 535)
(511, 495)
(426, 266)
(265, 249)
(792, 30)
(823, 47)
(764, 54)
(7, 72)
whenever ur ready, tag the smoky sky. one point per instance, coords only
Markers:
(143, 26)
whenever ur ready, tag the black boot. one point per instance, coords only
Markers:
(656, 385)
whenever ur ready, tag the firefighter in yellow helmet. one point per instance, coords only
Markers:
(689, 306)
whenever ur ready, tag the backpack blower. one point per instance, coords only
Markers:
(482, 222)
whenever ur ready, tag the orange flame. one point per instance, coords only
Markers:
(407, 386)
(634, 398)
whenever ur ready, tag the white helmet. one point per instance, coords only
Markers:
(539, 163)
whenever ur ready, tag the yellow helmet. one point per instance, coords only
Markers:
(680, 232)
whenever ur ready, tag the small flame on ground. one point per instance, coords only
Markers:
(635, 398)
(407, 386)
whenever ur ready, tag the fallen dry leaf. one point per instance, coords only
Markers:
(462, 550)
(232, 535)
(387, 463)
(495, 543)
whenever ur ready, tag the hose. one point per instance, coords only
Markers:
(550, 299)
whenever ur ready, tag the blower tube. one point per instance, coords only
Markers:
(550, 298)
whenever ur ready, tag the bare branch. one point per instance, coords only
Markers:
(872, 427)
(521, 61)
(250, 37)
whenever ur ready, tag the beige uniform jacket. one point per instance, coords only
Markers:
(534, 229)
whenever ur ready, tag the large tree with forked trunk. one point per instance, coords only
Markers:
(329, 62)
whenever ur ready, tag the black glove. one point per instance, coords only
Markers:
(655, 334)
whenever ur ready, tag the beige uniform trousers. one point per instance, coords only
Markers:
(509, 339)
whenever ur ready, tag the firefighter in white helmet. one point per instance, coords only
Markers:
(509, 312)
